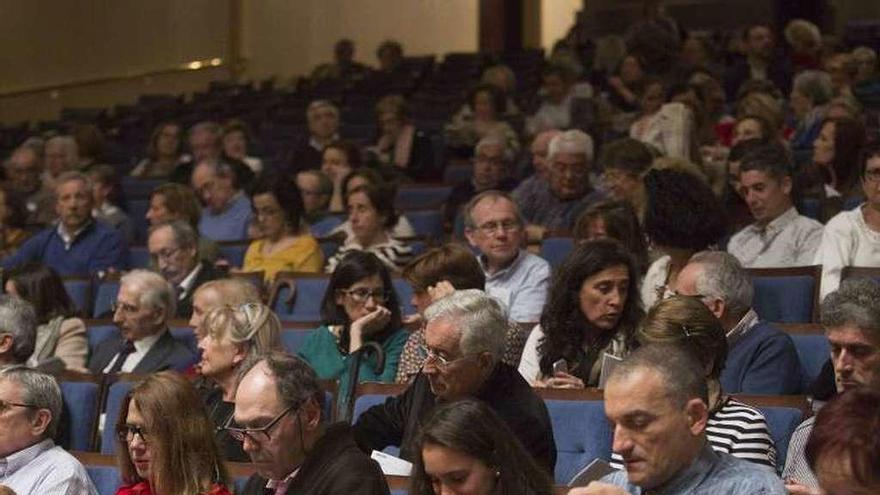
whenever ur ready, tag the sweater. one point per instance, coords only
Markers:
(763, 361)
(97, 248)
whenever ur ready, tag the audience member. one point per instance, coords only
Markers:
(495, 227)
(668, 127)
(733, 427)
(614, 220)
(866, 63)
(851, 319)
(761, 358)
(359, 306)
(286, 244)
(537, 183)
(106, 194)
(843, 71)
(230, 335)
(171, 201)
(322, 117)
(760, 62)
(338, 160)
(779, 236)
(503, 78)
(204, 140)
(810, 93)
(752, 127)
(623, 87)
(832, 177)
(174, 252)
(558, 88)
(852, 238)
(143, 307)
(89, 146)
(13, 218)
(77, 245)
(624, 164)
(18, 330)
(465, 339)
(371, 213)
(481, 117)
(24, 178)
(804, 43)
(656, 401)
(739, 215)
(32, 463)
(493, 163)
(278, 420)
(401, 149)
(570, 192)
(164, 153)
(590, 317)
(465, 447)
(60, 334)
(165, 440)
(236, 140)
(365, 176)
(228, 210)
(61, 155)
(343, 68)
(231, 292)
(682, 216)
(389, 54)
(316, 190)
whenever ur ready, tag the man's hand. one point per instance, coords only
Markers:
(597, 488)
(795, 488)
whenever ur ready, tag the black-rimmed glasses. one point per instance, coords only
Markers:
(239, 434)
(127, 432)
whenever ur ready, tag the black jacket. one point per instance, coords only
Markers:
(206, 274)
(335, 466)
(166, 353)
(397, 420)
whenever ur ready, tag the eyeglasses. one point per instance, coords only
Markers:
(361, 294)
(490, 228)
(6, 405)
(239, 434)
(165, 254)
(123, 307)
(425, 354)
(674, 293)
(126, 433)
(872, 176)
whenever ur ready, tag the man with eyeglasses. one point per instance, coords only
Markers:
(30, 462)
(143, 306)
(519, 279)
(493, 160)
(227, 213)
(464, 343)
(24, 173)
(18, 330)
(174, 252)
(277, 418)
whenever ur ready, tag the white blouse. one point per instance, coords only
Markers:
(846, 241)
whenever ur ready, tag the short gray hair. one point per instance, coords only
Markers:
(495, 140)
(154, 291)
(38, 389)
(207, 126)
(319, 104)
(184, 235)
(854, 303)
(722, 276)
(573, 141)
(17, 318)
(481, 320)
(683, 376)
(73, 175)
(815, 85)
(490, 194)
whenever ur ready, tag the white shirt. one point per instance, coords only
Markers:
(186, 284)
(790, 239)
(45, 469)
(654, 283)
(522, 286)
(846, 241)
(141, 348)
(530, 361)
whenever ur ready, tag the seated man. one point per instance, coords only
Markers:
(464, 343)
(493, 160)
(316, 190)
(174, 248)
(519, 279)
(780, 236)
(278, 419)
(24, 173)
(322, 117)
(18, 330)
(762, 359)
(78, 244)
(851, 319)
(656, 401)
(570, 193)
(206, 143)
(31, 462)
(144, 305)
(227, 213)
(537, 182)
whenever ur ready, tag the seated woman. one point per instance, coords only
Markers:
(623, 87)
(624, 165)
(360, 306)
(368, 176)
(164, 153)
(229, 336)
(614, 220)
(171, 201)
(372, 216)
(752, 127)
(59, 333)
(810, 92)
(592, 310)
(286, 244)
(236, 139)
(13, 218)
(669, 127)
(486, 105)
(464, 447)
(165, 440)
(106, 191)
(401, 149)
(734, 428)
(337, 161)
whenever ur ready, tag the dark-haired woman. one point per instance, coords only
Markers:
(338, 159)
(593, 309)
(614, 220)
(481, 117)
(833, 175)
(13, 215)
(360, 305)
(59, 333)
(466, 449)
(164, 153)
(286, 244)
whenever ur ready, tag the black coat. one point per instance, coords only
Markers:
(397, 421)
(166, 353)
(206, 274)
(335, 466)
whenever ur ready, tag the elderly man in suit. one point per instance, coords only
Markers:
(144, 305)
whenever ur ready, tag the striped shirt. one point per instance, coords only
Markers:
(736, 429)
(796, 466)
(394, 254)
(45, 469)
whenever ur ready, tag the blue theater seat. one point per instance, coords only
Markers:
(81, 399)
(581, 432)
(306, 306)
(556, 249)
(106, 478)
(115, 394)
(786, 295)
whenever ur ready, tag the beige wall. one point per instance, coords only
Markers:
(557, 17)
(289, 38)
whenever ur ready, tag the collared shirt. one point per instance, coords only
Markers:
(318, 146)
(68, 238)
(710, 474)
(45, 469)
(141, 348)
(229, 225)
(742, 327)
(790, 239)
(186, 284)
(280, 486)
(796, 465)
(522, 286)
(847, 241)
(552, 213)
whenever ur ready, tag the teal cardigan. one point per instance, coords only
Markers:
(322, 353)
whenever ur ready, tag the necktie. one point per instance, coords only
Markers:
(125, 349)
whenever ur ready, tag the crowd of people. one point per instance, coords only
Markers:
(673, 171)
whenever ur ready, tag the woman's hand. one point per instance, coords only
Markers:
(563, 380)
(795, 488)
(367, 325)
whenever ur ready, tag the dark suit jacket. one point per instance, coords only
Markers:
(206, 274)
(335, 466)
(166, 353)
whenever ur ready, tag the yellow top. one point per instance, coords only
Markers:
(304, 255)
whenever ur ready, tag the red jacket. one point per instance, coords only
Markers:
(143, 488)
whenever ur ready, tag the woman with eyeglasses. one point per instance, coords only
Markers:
(229, 336)
(165, 441)
(465, 448)
(359, 306)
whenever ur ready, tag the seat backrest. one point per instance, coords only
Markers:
(99, 333)
(188, 337)
(309, 291)
(786, 295)
(115, 393)
(81, 400)
(871, 272)
(138, 257)
(428, 223)
(813, 352)
(324, 226)
(581, 432)
(233, 252)
(106, 478)
(404, 295)
(80, 291)
(105, 294)
(137, 212)
(556, 249)
(782, 422)
(416, 197)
